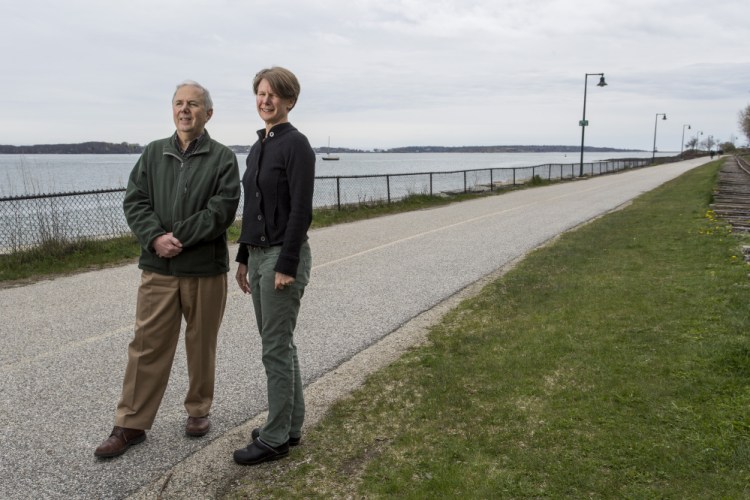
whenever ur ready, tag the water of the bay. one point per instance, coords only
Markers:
(44, 174)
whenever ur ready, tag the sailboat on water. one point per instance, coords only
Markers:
(328, 156)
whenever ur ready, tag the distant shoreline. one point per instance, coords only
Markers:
(128, 148)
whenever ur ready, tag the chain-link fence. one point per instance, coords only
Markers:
(27, 221)
(347, 190)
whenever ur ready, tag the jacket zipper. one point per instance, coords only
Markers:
(176, 199)
(179, 187)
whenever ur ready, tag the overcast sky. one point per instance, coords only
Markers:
(380, 74)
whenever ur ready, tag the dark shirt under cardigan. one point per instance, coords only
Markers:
(278, 184)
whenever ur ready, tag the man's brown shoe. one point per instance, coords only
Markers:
(197, 426)
(119, 441)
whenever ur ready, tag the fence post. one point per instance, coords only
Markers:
(430, 183)
(514, 176)
(338, 192)
(388, 186)
(464, 181)
(492, 184)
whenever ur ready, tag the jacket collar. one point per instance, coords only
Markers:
(276, 131)
(202, 147)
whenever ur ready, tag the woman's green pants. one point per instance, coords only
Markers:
(276, 313)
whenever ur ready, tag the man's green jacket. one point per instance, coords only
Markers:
(195, 198)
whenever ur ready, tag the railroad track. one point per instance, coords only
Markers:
(732, 196)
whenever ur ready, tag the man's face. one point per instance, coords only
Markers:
(189, 112)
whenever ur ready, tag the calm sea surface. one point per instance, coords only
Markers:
(43, 174)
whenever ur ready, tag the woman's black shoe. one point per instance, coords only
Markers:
(258, 452)
(293, 441)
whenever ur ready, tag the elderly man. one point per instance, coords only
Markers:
(182, 195)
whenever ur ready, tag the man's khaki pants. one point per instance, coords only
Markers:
(162, 302)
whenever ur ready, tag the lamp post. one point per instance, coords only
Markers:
(583, 123)
(697, 138)
(682, 144)
(656, 121)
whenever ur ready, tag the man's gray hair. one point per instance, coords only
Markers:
(206, 94)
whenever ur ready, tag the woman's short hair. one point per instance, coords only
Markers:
(282, 81)
(206, 94)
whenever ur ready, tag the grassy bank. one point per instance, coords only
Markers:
(612, 363)
(55, 258)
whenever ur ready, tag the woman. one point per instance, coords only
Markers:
(274, 256)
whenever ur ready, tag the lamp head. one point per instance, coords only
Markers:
(601, 83)
(664, 117)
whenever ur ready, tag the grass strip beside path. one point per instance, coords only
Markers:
(58, 258)
(614, 362)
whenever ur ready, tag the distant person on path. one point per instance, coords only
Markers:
(274, 257)
(182, 195)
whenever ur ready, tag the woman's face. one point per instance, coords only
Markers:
(272, 108)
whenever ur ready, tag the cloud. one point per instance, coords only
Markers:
(376, 74)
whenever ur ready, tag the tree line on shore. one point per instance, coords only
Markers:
(98, 147)
(129, 148)
(80, 148)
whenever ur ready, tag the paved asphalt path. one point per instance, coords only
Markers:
(64, 341)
